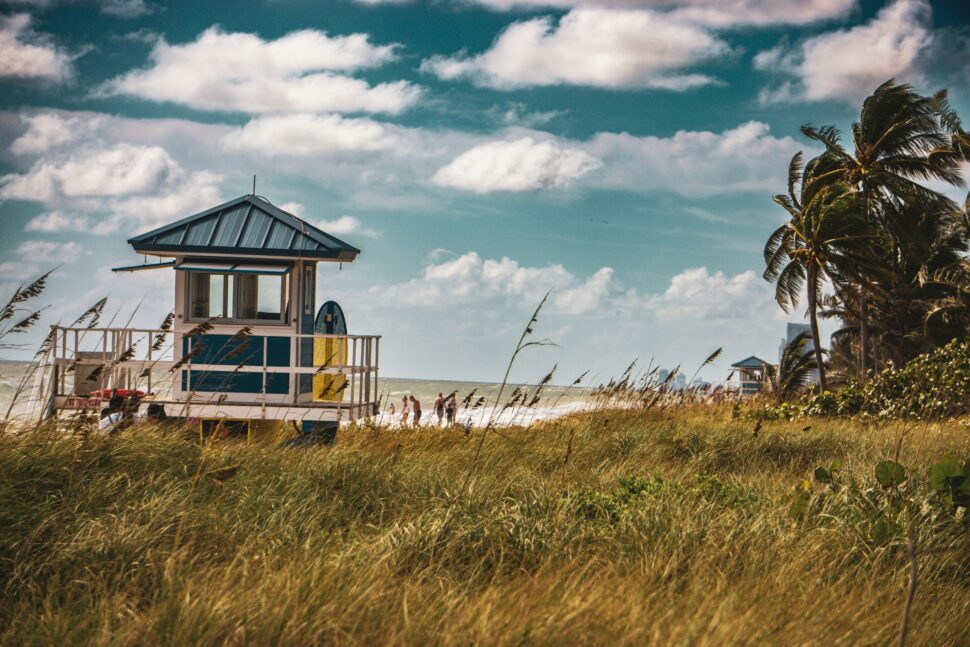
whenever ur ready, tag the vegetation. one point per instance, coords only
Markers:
(934, 386)
(892, 249)
(612, 527)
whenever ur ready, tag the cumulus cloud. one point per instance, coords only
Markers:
(695, 163)
(43, 251)
(122, 186)
(242, 72)
(304, 135)
(34, 257)
(123, 169)
(470, 278)
(698, 294)
(24, 54)
(47, 130)
(521, 165)
(847, 64)
(587, 296)
(718, 13)
(57, 222)
(347, 226)
(594, 47)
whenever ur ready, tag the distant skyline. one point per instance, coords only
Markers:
(620, 153)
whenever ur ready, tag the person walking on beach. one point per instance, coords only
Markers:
(404, 411)
(416, 407)
(451, 406)
(439, 408)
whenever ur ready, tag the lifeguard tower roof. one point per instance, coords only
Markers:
(751, 363)
(247, 226)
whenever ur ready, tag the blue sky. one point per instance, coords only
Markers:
(621, 153)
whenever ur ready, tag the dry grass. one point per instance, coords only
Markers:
(140, 539)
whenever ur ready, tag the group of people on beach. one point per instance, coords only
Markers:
(445, 409)
(123, 410)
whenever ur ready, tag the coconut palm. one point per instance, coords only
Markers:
(900, 138)
(825, 238)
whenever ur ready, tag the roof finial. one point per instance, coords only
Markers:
(254, 184)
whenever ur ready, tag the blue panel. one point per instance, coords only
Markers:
(306, 328)
(229, 382)
(229, 225)
(279, 236)
(170, 237)
(223, 349)
(256, 231)
(199, 232)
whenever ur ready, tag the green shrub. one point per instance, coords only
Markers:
(933, 386)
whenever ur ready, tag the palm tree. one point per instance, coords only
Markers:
(824, 238)
(901, 137)
(949, 313)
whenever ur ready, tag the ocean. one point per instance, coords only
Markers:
(553, 400)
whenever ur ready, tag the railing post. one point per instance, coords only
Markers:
(188, 371)
(377, 367)
(353, 374)
(265, 339)
(367, 344)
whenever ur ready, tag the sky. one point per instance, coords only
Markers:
(618, 154)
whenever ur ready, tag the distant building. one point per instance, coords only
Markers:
(677, 382)
(794, 330)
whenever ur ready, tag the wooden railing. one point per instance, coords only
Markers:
(82, 361)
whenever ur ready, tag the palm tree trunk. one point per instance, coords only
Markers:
(813, 318)
(863, 337)
(863, 319)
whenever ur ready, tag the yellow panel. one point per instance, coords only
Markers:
(329, 352)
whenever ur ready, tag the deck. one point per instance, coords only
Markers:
(81, 364)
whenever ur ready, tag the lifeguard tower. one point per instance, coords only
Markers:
(752, 375)
(243, 341)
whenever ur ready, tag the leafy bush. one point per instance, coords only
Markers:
(930, 387)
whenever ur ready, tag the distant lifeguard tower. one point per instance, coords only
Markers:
(749, 375)
(245, 343)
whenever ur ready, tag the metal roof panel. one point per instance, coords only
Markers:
(246, 225)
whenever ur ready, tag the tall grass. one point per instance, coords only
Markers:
(664, 526)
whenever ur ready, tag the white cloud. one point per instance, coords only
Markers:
(294, 73)
(47, 130)
(719, 13)
(347, 226)
(304, 135)
(521, 165)
(184, 194)
(56, 222)
(17, 271)
(121, 170)
(695, 163)
(471, 279)
(848, 64)
(588, 296)
(123, 186)
(295, 208)
(697, 294)
(343, 226)
(127, 9)
(43, 251)
(595, 47)
(25, 54)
